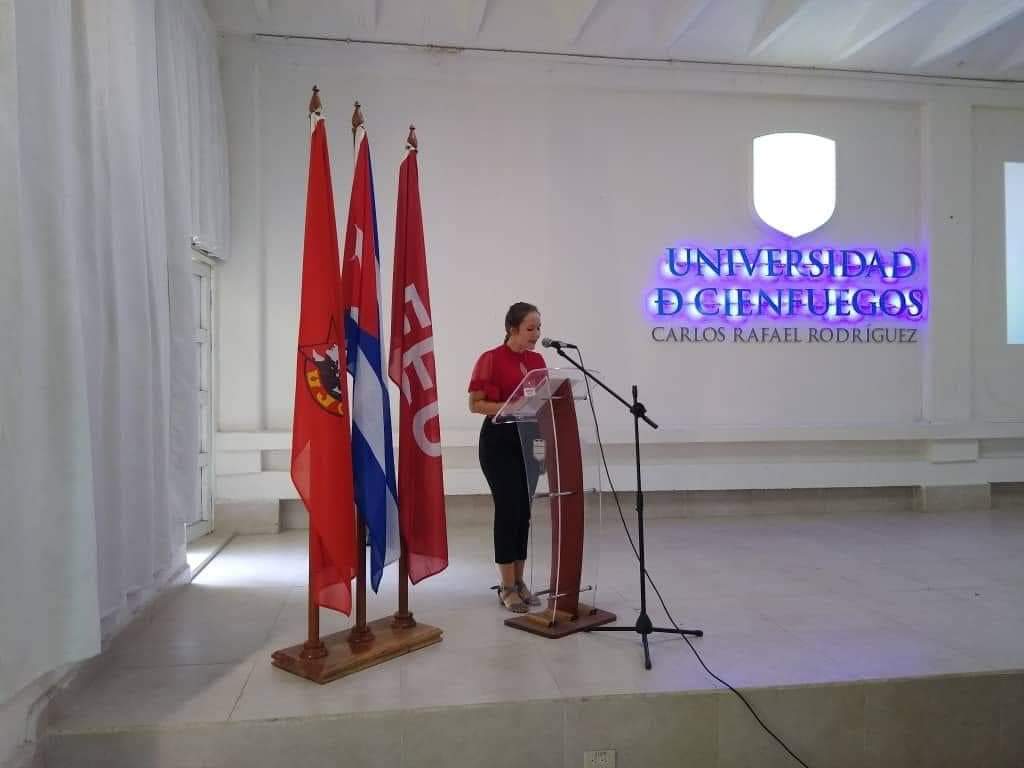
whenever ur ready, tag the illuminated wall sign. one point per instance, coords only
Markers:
(712, 294)
(779, 285)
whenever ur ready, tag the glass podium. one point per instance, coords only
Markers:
(563, 473)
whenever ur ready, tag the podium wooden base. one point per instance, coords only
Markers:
(563, 624)
(342, 659)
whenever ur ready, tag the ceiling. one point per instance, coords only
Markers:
(958, 38)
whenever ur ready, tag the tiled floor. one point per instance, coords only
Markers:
(783, 599)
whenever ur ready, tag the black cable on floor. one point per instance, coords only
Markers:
(647, 576)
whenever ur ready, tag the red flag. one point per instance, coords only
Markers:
(411, 367)
(321, 443)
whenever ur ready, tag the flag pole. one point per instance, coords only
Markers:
(314, 647)
(361, 635)
(403, 617)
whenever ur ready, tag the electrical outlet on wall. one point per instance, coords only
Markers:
(599, 758)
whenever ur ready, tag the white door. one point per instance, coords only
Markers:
(201, 521)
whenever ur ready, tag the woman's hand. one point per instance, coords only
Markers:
(479, 404)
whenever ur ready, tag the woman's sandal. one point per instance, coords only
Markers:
(509, 597)
(526, 595)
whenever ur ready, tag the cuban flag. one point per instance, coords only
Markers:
(373, 458)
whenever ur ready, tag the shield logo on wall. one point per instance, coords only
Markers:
(794, 181)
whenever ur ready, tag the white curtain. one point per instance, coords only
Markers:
(193, 129)
(112, 148)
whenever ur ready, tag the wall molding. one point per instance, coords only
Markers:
(254, 465)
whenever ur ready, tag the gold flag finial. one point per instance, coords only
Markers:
(357, 117)
(411, 141)
(315, 105)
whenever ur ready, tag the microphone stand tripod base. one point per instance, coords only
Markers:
(644, 627)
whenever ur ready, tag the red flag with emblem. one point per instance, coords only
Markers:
(411, 366)
(321, 442)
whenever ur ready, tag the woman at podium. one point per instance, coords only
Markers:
(495, 376)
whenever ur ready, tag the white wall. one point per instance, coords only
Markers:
(561, 182)
(997, 390)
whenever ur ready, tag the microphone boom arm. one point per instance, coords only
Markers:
(638, 410)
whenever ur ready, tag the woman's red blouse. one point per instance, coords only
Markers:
(498, 372)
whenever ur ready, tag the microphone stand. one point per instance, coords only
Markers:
(644, 627)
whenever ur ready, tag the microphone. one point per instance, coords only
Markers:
(546, 342)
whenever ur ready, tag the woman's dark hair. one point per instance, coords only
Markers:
(516, 314)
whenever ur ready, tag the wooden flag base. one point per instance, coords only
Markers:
(561, 623)
(343, 658)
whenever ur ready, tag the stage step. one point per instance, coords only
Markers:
(953, 720)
